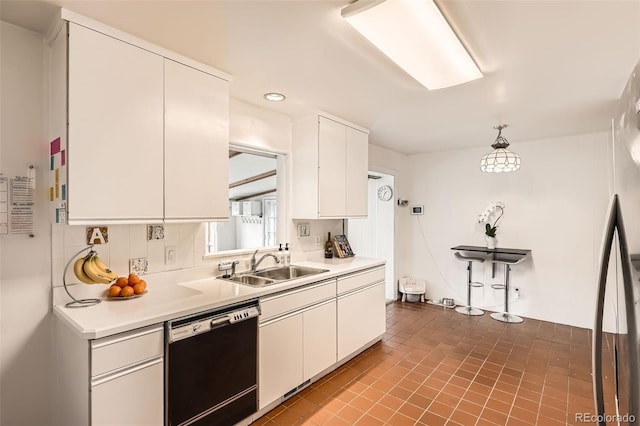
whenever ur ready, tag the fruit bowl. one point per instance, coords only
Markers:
(127, 288)
(134, 296)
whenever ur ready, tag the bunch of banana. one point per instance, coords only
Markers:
(91, 270)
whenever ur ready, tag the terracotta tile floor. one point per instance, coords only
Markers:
(436, 367)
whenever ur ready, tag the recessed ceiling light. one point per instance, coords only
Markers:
(274, 97)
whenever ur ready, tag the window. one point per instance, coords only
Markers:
(253, 191)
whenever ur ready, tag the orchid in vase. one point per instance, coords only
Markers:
(490, 229)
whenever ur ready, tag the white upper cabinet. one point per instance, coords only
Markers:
(146, 132)
(357, 172)
(332, 168)
(196, 144)
(115, 130)
(329, 170)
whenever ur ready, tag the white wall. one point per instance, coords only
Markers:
(26, 343)
(374, 235)
(395, 164)
(555, 206)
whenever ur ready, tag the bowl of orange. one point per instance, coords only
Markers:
(126, 288)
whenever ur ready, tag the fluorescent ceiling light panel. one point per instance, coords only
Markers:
(414, 35)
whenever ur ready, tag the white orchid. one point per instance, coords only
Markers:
(483, 217)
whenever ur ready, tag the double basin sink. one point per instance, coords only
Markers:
(274, 275)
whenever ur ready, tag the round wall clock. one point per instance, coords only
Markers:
(385, 193)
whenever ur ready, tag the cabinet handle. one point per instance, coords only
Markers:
(359, 290)
(365, 271)
(112, 375)
(297, 311)
(108, 342)
(299, 290)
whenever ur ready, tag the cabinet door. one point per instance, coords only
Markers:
(280, 358)
(332, 176)
(115, 128)
(361, 318)
(196, 169)
(319, 325)
(132, 398)
(357, 173)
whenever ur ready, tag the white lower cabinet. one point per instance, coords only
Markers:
(115, 380)
(280, 360)
(297, 338)
(313, 329)
(133, 397)
(319, 330)
(361, 318)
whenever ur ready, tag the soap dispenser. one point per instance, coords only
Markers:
(280, 255)
(287, 255)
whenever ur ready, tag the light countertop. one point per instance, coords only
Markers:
(178, 293)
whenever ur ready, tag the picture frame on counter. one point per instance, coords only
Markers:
(342, 247)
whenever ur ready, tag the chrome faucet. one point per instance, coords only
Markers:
(254, 263)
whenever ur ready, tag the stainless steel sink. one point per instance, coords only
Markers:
(251, 280)
(288, 272)
(275, 275)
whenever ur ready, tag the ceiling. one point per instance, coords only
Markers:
(551, 68)
(245, 168)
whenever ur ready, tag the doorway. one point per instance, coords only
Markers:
(373, 236)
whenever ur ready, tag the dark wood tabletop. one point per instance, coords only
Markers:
(497, 250)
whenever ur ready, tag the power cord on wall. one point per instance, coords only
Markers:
(433, 260)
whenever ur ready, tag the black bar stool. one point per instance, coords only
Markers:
(506, 316)
(469, 310)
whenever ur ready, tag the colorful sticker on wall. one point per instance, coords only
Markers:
(58, 183)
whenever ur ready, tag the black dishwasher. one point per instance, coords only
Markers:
(211, 367)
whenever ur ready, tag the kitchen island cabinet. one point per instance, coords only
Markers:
(145, 132)
(329, 168)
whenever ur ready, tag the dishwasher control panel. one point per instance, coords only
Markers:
(202, 325)
(244, 314)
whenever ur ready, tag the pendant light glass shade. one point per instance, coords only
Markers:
(500, 159)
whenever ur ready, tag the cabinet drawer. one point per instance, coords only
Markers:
(280, 304)
(121, 350)
(360, 279)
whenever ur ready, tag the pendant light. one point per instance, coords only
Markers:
(500, 159)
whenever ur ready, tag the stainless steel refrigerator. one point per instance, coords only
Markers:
(618, 292)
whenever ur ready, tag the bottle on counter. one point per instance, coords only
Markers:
(287, 255)
(280, 255)
(328, 248)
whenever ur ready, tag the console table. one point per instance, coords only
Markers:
(493, 252)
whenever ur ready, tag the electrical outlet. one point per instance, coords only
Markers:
(317, 240)
(170, 255)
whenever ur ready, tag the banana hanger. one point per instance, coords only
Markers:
(77, 303)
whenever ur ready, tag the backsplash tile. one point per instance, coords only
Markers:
(129, 242)
(137, 241)
(139, 266)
